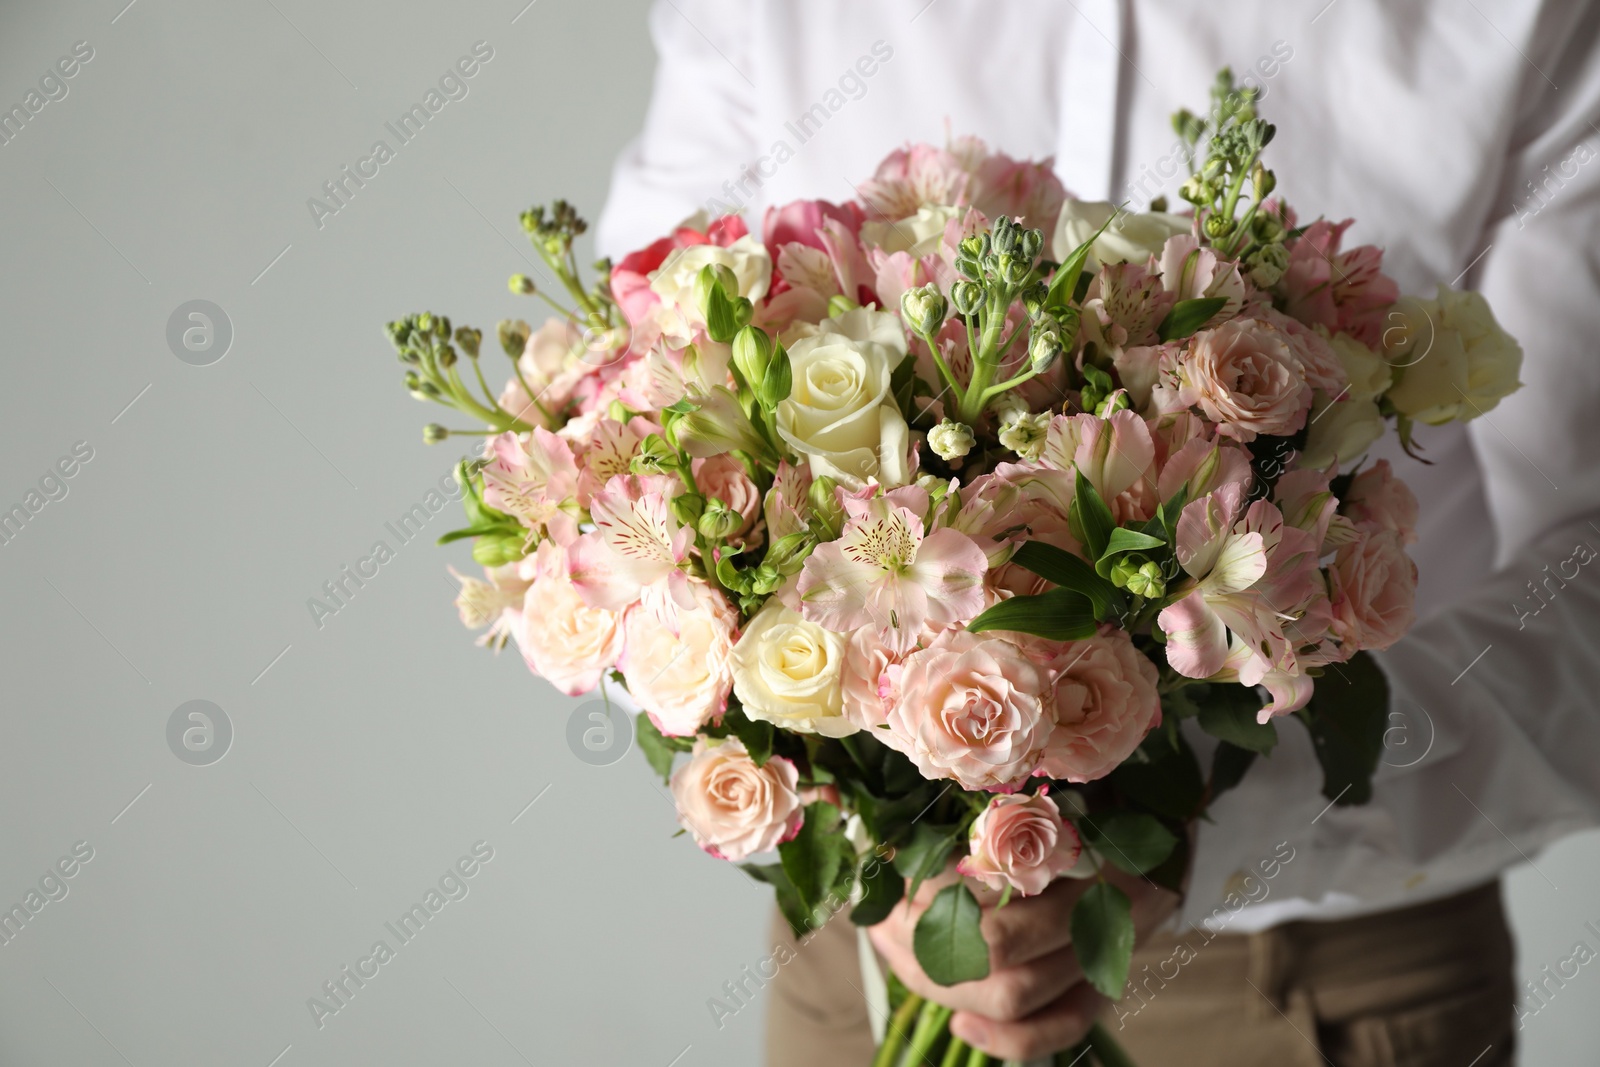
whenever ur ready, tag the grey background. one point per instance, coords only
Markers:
(370, 754)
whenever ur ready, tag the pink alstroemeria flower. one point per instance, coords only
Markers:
(530, 477)
(886, 571)
(1117, 455)
(634, 552)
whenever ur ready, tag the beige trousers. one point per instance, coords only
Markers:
(1426, 986)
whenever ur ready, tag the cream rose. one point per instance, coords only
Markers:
(1247, 380)
(1365, 372)
(1373, 588)
(1021, 841)
(1340, 431)
(674, 282)
(1132, 238)
(920, 234)
(840, 413)
(788, 671)
(1453, 361)
(732, 808)
(1104, 703)
(563, 639)
(681, 680)
(971, 708)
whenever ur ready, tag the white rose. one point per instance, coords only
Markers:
(919, 234)
(840, 413)
(674, 281)
(1343, 433)
(1132, 238)
(1452, 359)
(1364, 369)
(788, 671)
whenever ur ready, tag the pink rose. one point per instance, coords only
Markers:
(1379, 499)
(971, 707)
(1343, 291)
(868, 682)
(1246, 379)
(563, 639)
(732, 808)
(1104, 703)
(681, 680)
(1373, 586)
(1022, 841)
(725, 478)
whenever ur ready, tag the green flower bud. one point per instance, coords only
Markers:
(825, 506)
(976, 246)
(788, 553)
(1218, 226)
(654, 456)
(1267, 264)
(731, 576)
(445, 356)
(433, 434)
(1117, 401)
(469, 340)
(1032, 244)
(1033, 298)
(967, 297)
(838, 305)
(718, 521)
(688, 508)
(1147, 581)
(752, 349)
(1013, 268)
(495, 550)
(764, 580)
(522, 284)
(513, 336)
(774, 387)
(1263, 181)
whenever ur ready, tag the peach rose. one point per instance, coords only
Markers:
(971, 707)
(1373, 586)
(1376, 497)
(732, 808)
(1022, 841)
(1104, 702)
(681, 681)
(563, 639)
(1246, 379)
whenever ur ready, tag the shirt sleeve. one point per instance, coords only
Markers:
(698, 131)
(1495, 699)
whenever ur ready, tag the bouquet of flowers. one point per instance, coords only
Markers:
(917, 528)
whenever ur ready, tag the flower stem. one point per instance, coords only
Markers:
(1107, 1052)
(931, 1023)
(956, 1054)
(894, 1038)
(979, 1058)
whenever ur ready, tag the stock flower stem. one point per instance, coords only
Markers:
(894, 1037)
(979, 1058)
(931, 1023)
(956, 1054)
(1107, 1052)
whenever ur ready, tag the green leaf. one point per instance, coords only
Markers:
(478, 530)
(1057, 614)
(1094, 517)
(1132, 842)
(657, 748)
(881, 889)
(949, 941)
(926, 854)
(811, 858)
(1228, 766)
(902, 385)
(1347, 716)
(1187, 316)
(756, 734)
(681, 407)
(1126, 540)
(1228, 713)
(801, 920)
(1102, 937)
(1069, 572)
(1167, 782)
(1066, 281)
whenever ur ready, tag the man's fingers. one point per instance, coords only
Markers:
(1009, 994)
(1030, 927)
(1059, 1025)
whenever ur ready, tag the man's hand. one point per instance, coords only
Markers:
(1034, 1001)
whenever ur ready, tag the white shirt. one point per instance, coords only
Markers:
(1426, 120)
